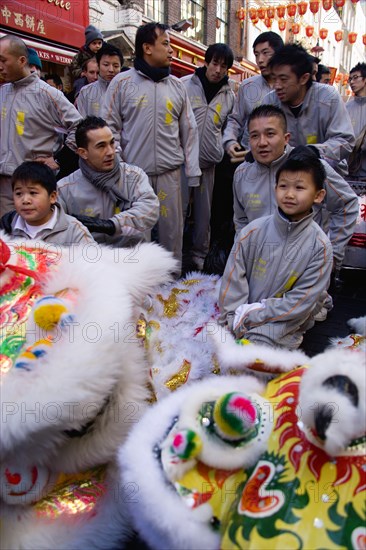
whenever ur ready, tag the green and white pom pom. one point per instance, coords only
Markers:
(186, 444)
(236, 418)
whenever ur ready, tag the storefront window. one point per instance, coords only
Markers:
(154, 9)
(222, 16)
(195, 9)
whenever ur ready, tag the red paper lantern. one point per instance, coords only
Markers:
(261, 13)
(255, 21)
(338, 35)
(240, 14)
(291, 9)
(270, 13)
(339, 3)
(364, 39)
(323, 33)
(268, 22)
(252, 13)
(345, 79)
(281, 11)
(309, 29)
(354, 1)
(295, 28)
(281, 24)
(327, 4)
(352, 37)
(302, 7)
(338, 78)
(314, 6)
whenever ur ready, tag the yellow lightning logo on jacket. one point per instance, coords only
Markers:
(217, 113)
(19, 124)
(289, 284)
(168, 115)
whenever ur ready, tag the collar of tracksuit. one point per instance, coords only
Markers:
(154, 73)
(210, 89)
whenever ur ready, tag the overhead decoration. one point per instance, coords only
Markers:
(314, 6)
(295, 28)
(327, 4)
(270, 12)
(268, 22)
(364, 39)
(291, 9)
(338, 35)
(252, 13)
(261, 13)
(352, 37)
(281, 24)
(302, 7)
(309, 29)
(323, 33)
(281, 11)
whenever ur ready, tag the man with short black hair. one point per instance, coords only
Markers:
(315, 113)
(55, 81)
(323, 74)
(151, 118)
(356, 108)
(31, 113)
(212, 101)
(250, 94)
(91, 96)
(114, 200)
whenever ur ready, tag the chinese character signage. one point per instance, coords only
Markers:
(61, 21)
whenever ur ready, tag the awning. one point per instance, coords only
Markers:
(120, 40)
(47, 52)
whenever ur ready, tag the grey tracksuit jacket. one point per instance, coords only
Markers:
(153, 122)
(31, 112)
(210, 117)
(323, 121)
(356, 108)
(254, 197)
(90, 98)
(286, 263)
(250, 94)
(140, 212)
(67, 231)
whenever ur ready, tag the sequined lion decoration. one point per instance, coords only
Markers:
(235, 463)
(73, 382)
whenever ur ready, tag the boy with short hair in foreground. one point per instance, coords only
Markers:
(280, 264)
(37, 214)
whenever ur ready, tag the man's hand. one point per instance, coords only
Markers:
(236, 153)
(48, 161)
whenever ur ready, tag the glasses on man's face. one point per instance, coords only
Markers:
(352, 78)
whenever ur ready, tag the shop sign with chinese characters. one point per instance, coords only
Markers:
(61, 21)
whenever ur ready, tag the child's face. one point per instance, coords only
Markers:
(95, 45)
(32, 202)
(296, 193)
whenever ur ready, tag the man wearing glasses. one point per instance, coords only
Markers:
(356, 108)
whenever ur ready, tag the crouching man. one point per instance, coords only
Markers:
(113, 199)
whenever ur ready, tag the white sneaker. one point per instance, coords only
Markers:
(321, 315)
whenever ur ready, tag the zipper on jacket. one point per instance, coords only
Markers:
(155, 130)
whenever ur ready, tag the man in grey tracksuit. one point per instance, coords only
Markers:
(356, 108)
(62, 229)
(31, 112)
(280, 265)
(315, 113)
(254, 197)
(152, 120)
(122, 208)
(250, 94)
(212, 100)
(90, 98)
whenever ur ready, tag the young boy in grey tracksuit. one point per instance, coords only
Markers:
(280, 264)
(37, 215)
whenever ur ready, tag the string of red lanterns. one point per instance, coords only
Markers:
(268, 14)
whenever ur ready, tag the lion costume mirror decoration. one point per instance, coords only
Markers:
(267, 451)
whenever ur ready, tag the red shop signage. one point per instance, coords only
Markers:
(61, 21)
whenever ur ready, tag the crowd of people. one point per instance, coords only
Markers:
(129, 152)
